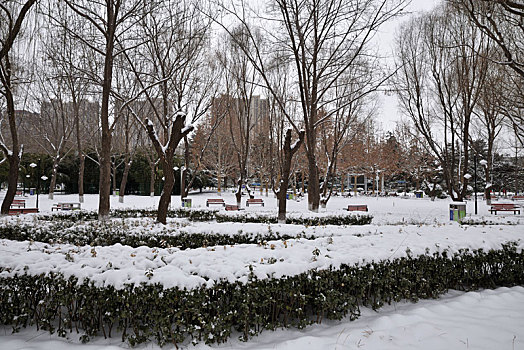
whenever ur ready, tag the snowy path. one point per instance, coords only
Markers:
(488, 319)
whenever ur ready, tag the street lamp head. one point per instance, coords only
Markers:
(44, 177)
(27, 176)
(32, 165)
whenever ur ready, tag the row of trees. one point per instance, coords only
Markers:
(121, 52)
(115, 76)
(460, 79)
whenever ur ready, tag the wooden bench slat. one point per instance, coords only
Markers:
(215, 201)
(357, 207)
(495, 207)
(232, 207)
(254, 201)
(19, 211)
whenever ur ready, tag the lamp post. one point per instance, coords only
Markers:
(475, 189)
(182, 169)
(176, 169)
(37, 166)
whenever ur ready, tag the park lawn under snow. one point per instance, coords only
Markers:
(400, 225)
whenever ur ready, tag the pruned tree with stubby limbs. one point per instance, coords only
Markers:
(176, 76)
(288, 150)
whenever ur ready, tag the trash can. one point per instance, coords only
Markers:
(31, 192)
(289, 196)
(186, 202)
(419, 194)
(457, 211)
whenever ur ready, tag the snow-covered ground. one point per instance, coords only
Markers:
(476, 320)
(385, 210)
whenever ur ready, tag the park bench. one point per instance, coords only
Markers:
(518, 198)
(19, 193)
(65, 206)
(18, 203)
(357, 207)
(504, 207)
(232, 207)
(215, 201)
(18, 211)
(254, 201)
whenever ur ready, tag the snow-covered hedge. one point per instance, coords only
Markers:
(135, 234)
(193, 214)
(139, 313)
(307, 219)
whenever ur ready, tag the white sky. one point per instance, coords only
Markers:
(388, 113)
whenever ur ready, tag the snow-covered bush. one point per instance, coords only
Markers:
(209, 314)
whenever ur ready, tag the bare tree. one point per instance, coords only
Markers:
(107, 36)
(289, 151)
(11, 18)
(322, 40)
(439, 83)
(241, 81)
(501, 21)
(174, 62)
(218, 157)
(489, 119)
(352, 110)
(71, 65)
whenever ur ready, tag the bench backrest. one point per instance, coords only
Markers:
(503, 206)
(19, 201)
(255, 200)
(219, 200)
(357, 207)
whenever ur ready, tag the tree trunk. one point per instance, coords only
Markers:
(178, 131)
(113, 175)
(165, 197)
(187, 155)
(13, 157)
(104, 184)
(313, 190)
(12, 181)
(289, 151)
(238, 194)
(52, 183)
(81, 170)
(105, 179)
(123, 183)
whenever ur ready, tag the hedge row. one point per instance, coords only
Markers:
(209, 215)
(105, 234)
(149, 312)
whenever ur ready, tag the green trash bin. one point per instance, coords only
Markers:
(186, 202)
(457, 211)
